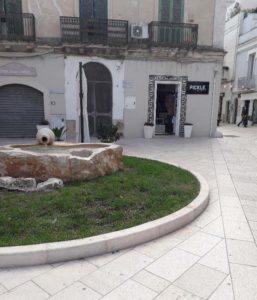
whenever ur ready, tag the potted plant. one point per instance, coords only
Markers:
(107, 133)
(148, 130)
(44, 123)
(188, 130)
(59, 133)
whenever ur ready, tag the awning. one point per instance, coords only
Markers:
(249, 96)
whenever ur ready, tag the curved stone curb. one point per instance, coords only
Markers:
(101, 244)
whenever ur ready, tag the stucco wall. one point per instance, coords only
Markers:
(49, 80)
(47, 15)
(134, 10)
(199, 107)
(230, 43)
(200, 12)
(116, 67)
(219, 23)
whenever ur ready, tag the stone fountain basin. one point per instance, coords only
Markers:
(69, 162)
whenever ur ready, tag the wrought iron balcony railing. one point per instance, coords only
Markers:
(94, 31)
(116, 32)
(173, 34)
(17, 27)
(247, 83)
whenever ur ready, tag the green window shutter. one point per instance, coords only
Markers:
(171, 11)
(165, 10)
(93, 9)
(178, 11)
(100, 9)
(1, 6)
(13, 6)
(86, 9)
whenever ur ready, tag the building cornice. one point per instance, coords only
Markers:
(203, 54)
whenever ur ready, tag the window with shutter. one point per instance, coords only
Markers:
(11, 6)
(12, 25)
(178, 11)
(91, 27)
(1, 6)
(93, 9)
(165, 10)
(171, 11)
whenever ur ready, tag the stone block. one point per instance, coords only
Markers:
(18, 184)
(50, 184)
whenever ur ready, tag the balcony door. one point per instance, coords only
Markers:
(99, 95)
(93, 9)
(171, 11)
(93, 20)
(11, 24)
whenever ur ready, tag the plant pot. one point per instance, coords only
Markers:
(42, 126)
(188, 131)
(148, 132)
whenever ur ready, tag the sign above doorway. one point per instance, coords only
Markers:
(198, 88)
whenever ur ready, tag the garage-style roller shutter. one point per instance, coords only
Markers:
(21, 109)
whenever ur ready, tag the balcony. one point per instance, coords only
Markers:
(167, 34)
(116, 32)
(246, 83)
(94, 31)
(17, 27)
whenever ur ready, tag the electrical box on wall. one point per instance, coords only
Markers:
(130, 102)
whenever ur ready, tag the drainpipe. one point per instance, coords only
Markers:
(81, 103)
(213, 99)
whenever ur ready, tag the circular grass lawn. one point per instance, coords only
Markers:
(144, 191)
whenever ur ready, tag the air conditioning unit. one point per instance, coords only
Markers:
(139, 31)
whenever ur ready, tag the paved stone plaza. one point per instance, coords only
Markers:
(214, 257)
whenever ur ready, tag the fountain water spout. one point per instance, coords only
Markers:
(45, 136)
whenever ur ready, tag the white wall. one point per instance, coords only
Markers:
(199, 107)
(49, 80)
(219, 22)
(230, 43)
(116, 67)
(248, 4)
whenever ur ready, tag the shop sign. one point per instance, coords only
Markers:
(198, 88)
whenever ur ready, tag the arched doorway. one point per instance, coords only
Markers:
(99, 95)
(21, 109)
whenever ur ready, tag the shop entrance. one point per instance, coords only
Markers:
(166, 109)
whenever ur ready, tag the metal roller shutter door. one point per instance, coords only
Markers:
(21, 109)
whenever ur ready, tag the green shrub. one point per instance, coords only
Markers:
(107, 133)
(59, 132)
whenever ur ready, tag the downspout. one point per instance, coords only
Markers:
(81, 95)
(215, 71)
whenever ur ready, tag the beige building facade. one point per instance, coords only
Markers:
(202, 12)
(135, 54)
